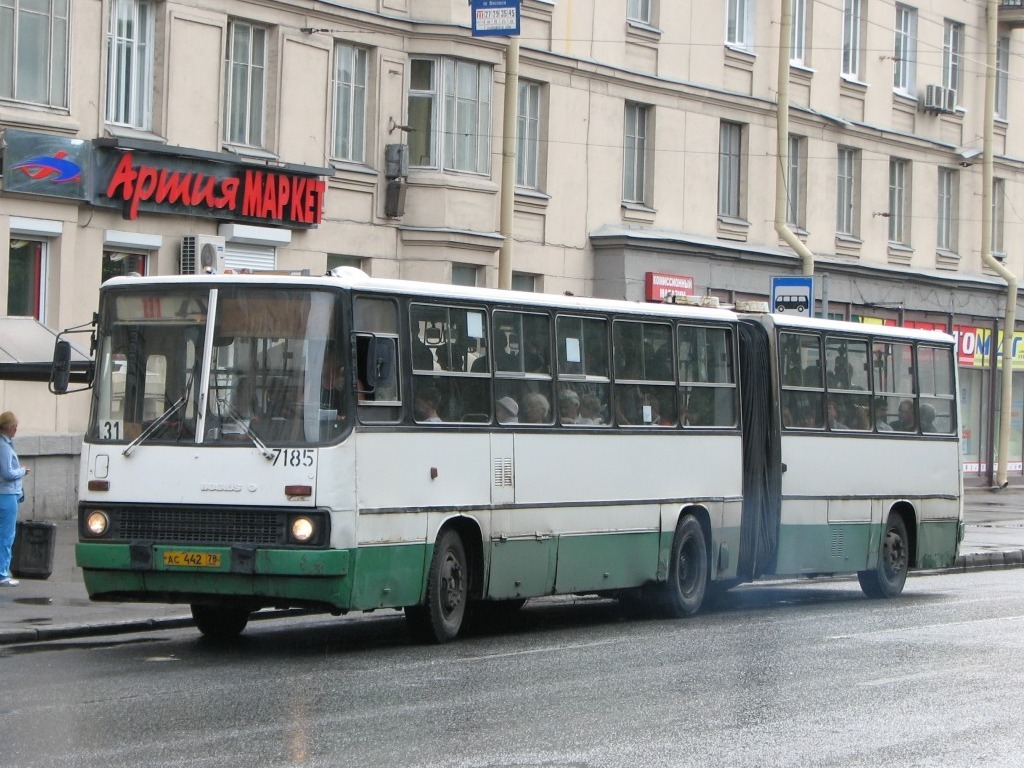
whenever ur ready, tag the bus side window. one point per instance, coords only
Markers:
(376, 360)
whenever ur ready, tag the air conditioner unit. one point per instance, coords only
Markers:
(935, 98)
(950, 105)
(202, 255)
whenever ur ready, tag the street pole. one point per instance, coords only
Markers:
(508, 162)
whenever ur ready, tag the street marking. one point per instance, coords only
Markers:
(549, 649)
(924, 676)
(903, 630)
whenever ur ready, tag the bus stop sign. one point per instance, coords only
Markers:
(793, 295)
(495, 17)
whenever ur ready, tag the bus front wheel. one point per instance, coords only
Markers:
(220, 622)
(888, 577)
(687, 570)
(440, 619)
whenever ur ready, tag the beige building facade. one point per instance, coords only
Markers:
(304, 136)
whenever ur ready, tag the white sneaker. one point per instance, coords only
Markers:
(9, 582)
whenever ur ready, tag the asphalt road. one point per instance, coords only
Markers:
(793, 673)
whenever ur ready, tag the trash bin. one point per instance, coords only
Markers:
(32, 556)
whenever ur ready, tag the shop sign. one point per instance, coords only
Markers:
(39, 164)
(660, 285)
(140, 181)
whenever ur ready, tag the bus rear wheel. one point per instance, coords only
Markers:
(683, 593)
(888, 577)
(220, 622)
(440, 619)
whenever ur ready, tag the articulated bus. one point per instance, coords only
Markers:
(344, 443)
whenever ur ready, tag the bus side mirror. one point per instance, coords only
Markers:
(380, 362)
(60, 372)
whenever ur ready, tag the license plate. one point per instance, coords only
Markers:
(192, 559)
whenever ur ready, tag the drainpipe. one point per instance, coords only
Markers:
(782, 136)
(1009, 318)
(508, 162)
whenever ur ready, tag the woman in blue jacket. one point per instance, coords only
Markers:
(11, 494)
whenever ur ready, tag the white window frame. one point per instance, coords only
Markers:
(634, 153)
(351, 66)
(948, 210)
(904, 56)
(799, 34)
(639, 11)
(34, 71)
(130, 33)
(730, 169)
(1002, 77)
(739, 23)
(852, 30)
(847, 192)
(952, 57)
(528, 119)
(796, 183)
(245, 71)
(900, 175)
(458, 98)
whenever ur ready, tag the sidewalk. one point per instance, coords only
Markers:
(59, 608)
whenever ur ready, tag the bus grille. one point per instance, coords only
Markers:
(200, 526)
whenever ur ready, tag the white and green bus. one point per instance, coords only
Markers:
(343, 443)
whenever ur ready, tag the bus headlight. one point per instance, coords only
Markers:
(303, 530)
(97, 523)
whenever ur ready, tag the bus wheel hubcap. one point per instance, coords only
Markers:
(451, 584)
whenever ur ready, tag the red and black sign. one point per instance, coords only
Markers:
(208, 184)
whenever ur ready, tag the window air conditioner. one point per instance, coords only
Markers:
(950, 105)
(935, 98)
(202, 255)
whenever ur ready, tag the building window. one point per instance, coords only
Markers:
(948, 209)
(847, 192)
(524, 282)
(118, 263)
(349, 102)
(528, 136)
(1002, 76)
(899, 201)
(739, 28)
(998, 216)
(904, 53)
(634, 181)
(796, 183)
(465, 274)
(34, 51)
(246, 74)
(639, 10)
(798, 37)
(335, 260)
(130, 63)
(450, 114)
(26, 278)
(730, 170)
(852, 23)
(952, 51)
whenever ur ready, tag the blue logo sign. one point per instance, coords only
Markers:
(495, 17)
(55, 168)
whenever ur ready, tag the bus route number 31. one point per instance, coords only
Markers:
(293, 457)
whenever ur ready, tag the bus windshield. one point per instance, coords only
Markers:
(270, 371)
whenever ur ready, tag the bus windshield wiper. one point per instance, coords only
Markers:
(237, 419)
(161, 419)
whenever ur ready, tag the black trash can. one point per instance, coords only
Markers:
(32, 556)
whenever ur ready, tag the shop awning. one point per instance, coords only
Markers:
(26, 352)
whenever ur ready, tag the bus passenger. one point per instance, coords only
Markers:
(906, 421)
(590, 410)
(535, 409)
(507, 410)
(832, 410)
(568, 407)
(653, 417)
(425, 404)
(928, 418)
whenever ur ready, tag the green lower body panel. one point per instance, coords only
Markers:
(836, 548)
(369, 577)
(938, 543)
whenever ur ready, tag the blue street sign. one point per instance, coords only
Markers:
(793, 296)
(495, 17)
